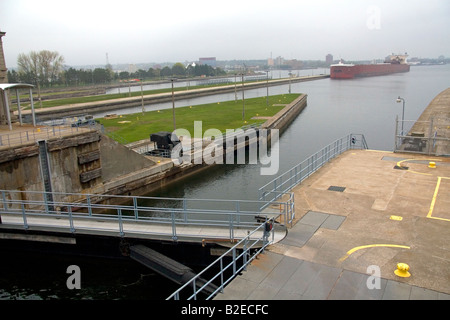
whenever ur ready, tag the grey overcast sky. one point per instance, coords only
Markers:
(137, 31)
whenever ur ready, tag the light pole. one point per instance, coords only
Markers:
(243, 99)
(173, 106)
(267, 82)
(142, 96)
(399, 99)
(235, 89)
(290, 77)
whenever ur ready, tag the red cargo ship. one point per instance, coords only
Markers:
(392, 64)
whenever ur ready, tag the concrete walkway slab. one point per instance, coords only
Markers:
(383, 217)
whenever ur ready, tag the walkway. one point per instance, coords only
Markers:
(26, 134)
(358, 217)
(184, 220)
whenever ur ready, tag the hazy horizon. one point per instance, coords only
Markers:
(137, 31)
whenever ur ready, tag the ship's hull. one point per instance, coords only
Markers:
(366, 70)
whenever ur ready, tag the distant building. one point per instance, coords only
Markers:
(279, 61)
(294, 63)
(329, 59)
(132, 68)
(270, 62)
(211, 61)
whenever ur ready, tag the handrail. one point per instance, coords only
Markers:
(282, 189)
(294, 176)
(232, 214)
(40, 133)
(247, 256)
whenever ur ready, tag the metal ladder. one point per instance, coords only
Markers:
(45, 170)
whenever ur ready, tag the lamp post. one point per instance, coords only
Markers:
(267, 84)
(290, 77)
(142, 96)
(235, 89)
(399, 99)
(243, 99)
(173, 106)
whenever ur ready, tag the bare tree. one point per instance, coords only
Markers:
(41, 67)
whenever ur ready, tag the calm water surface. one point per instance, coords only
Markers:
(335, 109)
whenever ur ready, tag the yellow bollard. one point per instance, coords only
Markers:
(432, 164)
(402, 270)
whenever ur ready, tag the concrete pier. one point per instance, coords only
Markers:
(358, 219)
(430, 134)
(349, 238)
(435, 122)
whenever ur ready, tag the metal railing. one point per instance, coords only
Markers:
(39, 133)
(84, 211)
(276, 188)
(227, 272)
(430, 137)
(280, 189)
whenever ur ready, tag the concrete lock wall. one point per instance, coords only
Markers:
(74, 163)
(80, 163)
(119, 160)
(19, 169)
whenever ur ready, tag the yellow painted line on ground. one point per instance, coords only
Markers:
(412, 171)
(371, 246)
(436, 190)
(382, 151)
(433, 201)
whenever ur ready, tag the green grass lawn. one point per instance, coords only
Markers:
(220, 115)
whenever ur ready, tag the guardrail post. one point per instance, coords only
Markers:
(245, 251)
(5, 206)
(136, 214)
(88, 200)
(69, 211)
(184, 210)
(234, 260)
(231, 227)
(46, 202)
(174, 227)
(221, 275)
(195, 289)
(25, 224)
(119, 215)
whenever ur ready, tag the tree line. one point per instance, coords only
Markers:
(46, 69)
